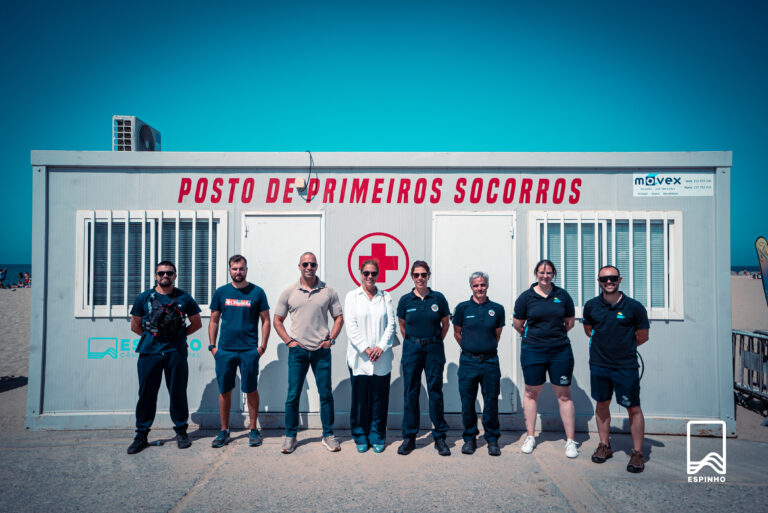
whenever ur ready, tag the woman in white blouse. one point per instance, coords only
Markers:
(369, 319)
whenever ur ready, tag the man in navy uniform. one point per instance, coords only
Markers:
(616, 324)
(477, 325)
(158, 316)
(238, 306)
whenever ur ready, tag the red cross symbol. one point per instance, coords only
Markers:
(386, 263)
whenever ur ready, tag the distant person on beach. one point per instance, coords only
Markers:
(238, 306)
(20, 280)
(616, 324)
(158, 315)
(3, 274)
(27, 280)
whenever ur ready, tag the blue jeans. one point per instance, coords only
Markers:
(487, 374)
(430, 359)
(299, 362)
(368, 412)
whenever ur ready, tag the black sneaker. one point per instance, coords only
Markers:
(441, 447)
(139, 444)
(182, 440)
(493, 448)
(408, 445)
(469, 447)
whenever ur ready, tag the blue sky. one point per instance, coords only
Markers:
(388, 76)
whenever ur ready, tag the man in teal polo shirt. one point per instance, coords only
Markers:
(616, 324)
(238, 306)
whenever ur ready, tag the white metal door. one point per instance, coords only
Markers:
(272, 243)
(462, 243)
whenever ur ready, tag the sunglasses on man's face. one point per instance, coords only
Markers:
(370, 273)
(420, 275)
(165, 273)
(309, 264)
(605, 279)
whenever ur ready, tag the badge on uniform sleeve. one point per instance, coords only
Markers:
(435, 308)
(491, 313)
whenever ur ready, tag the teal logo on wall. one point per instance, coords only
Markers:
(101, 348)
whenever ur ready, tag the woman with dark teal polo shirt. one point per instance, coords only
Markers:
(423, 317)
(543, 315)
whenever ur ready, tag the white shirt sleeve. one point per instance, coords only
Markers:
(387, 337)
(352, 324)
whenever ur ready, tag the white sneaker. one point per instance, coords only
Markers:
(571, 448)
(528, 445)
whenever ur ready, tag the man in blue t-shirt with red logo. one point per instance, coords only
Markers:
(616, 324)
(237, 307)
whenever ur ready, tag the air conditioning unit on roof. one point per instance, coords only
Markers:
(129, 133)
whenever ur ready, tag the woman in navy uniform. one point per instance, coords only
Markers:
(423, 317)
(543, 315)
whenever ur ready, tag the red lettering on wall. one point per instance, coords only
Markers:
(491, 196)
(402, 194)
(359, 190)
(391, 189)
(541, 193)
(287, 198)
(559, 193)
(217, 183)
(330, 186)
(273, 189)
(435, 196)
(232, 183)
(509, 190)
(201, 189)
(184, 188)
(312, 188)
(459, 196)
(476, 192)
(247, 194)
(525, 190)
(421, 190)
(378, 187)
(574, 197)
(343, 190)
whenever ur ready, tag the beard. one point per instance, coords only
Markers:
(239, 278)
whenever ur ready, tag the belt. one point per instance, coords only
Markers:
(479, 356)
(424, 341)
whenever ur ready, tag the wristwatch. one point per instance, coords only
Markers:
(333, 340)
(210, 347)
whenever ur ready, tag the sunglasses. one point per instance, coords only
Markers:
(370, 273)
(606, 279)
(309, 264)
(165, 273)
(420, 275)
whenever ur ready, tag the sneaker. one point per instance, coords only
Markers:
(289, 444)
(441, 447)
(528, 445)
(139, 444)
(331, 443)
(469, 447)
(254, 438)
(362, 448)
(602, 453)
(221, 439)
(182, 440)
(493, 448)
(636, 464)
(408, 445)
(571, 448)
(378, 448)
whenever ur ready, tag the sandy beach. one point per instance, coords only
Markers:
(750, 310)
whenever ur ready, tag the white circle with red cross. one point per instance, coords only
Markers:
(388, 251)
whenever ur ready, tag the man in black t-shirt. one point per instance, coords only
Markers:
(616, 324)
(158, 315)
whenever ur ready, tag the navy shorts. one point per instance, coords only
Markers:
(536, 362)
(626, 383)
(227, 363)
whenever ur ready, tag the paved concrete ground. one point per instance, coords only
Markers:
(90, 471)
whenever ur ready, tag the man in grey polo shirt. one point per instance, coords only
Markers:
(309, 301)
